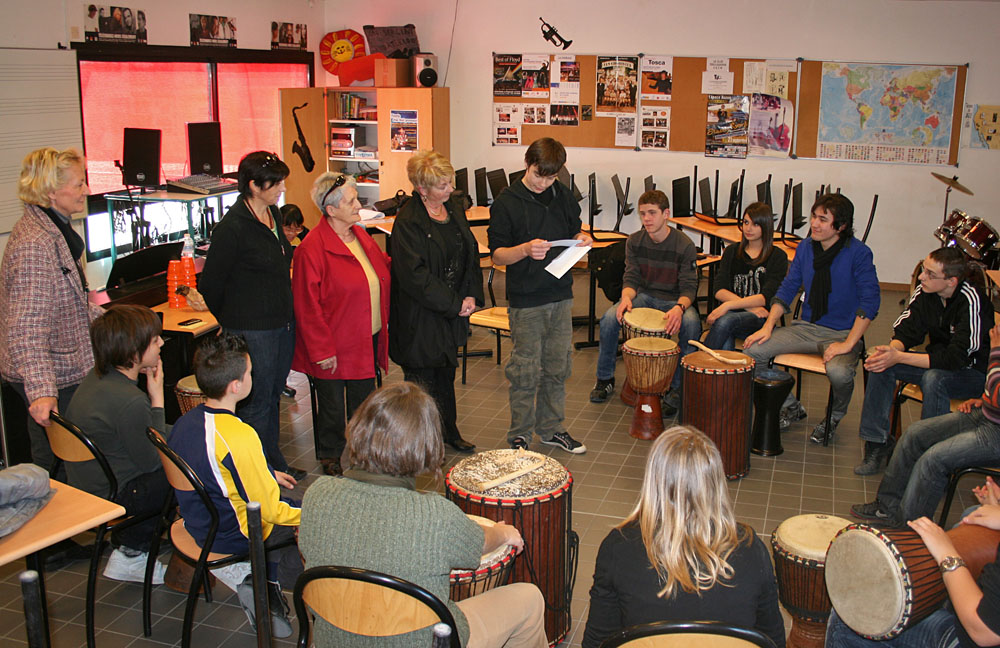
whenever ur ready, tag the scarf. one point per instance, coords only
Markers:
(822, 283)
(73, 240)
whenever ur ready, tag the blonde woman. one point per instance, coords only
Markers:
(681, 555)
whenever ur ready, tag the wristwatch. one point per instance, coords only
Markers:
(951, 563)
(681, 306)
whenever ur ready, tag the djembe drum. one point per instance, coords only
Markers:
(640, 322)
(716, 400)
(882, 581)
(188, 394)
(799, 547)
(534, 494)
(493, 571)
(650, 364)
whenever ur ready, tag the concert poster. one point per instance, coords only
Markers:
(403, 130)
(114, 24)
(726, 128)
(771, 121)
(565, 88)
(506, 75)
(292, 36)
(535, 76)
(561, 115)
(617, 85)
(212, 31)
(657, 78)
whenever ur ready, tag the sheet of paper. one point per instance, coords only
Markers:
(369, 214)
(564, 242)
(716, 82)
(562, 263)
(753, 76)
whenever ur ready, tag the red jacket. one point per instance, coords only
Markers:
(333, 307)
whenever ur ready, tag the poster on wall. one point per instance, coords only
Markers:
(289, 36)
(535, 76)
(564, 115)
(506, 135)
(657, 77)
(617, 85)
(506, 75)
(536, 114)
(982, 126)
(212, 31)
(625, 131)
(564, 89)
(655, 128)
(726, 130)
(114, 24)
(507, 113)
(403, 130)
(770, 130)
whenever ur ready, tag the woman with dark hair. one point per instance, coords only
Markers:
(374, 518)
(341, 289)
(247, 286)
(749, 275)
(436, 285)
(681, 555)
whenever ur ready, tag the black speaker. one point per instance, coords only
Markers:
(425, 70)
(141, 156)
(205, 147)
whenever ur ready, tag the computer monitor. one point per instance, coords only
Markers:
(462, 180)
(141, 156)
(680, 188)
(482, 198)
(205, 148)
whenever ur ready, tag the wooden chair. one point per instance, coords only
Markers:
(908, 391)
(953, 486)
(495, 317)
(367, 603)
(183, 478)
(70, 444)
(681, 634)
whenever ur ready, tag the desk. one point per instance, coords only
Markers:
(177, 364)
(70, 511)
(719, 234)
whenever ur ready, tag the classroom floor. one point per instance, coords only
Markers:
(805, 479)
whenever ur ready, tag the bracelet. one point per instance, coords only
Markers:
(951, 563)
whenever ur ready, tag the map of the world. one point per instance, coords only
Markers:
(886, 113)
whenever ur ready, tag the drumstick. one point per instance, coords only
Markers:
(716, 355)
(493, 483)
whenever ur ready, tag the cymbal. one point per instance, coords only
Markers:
(953, 183)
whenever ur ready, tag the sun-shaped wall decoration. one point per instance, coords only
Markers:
(339, 47)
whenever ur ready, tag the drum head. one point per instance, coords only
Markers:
(703, 361)
(189, 384)
(650, 345)
(495, 555)
(864, 582)
(470, 473)
(808, 536)
(645, 319)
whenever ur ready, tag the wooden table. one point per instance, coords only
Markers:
(69, 512)
(172, 318)
(178, 365)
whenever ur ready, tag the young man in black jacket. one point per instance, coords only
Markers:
(956, 317)
(524, 220)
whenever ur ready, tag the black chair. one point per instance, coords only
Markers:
(953, 486)
(681, 634)
(258, 569)
(70, 444)
(367, 603)
(183, 478)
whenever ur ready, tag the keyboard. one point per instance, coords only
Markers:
(202, 184)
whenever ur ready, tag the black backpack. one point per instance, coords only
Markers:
(609, 266)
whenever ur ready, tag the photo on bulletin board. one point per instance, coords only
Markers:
(566, 90)
(655, 128)
(289, 36)
(114, 24)
(771, 120)
(535, 76)
(403, 130)
(536, 114)
(212, 31)
(564, 115)
(617, 85)
(726, 127)
(506, 75)
(657, 78)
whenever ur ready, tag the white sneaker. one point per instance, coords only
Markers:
(132, 569)
(232, 575)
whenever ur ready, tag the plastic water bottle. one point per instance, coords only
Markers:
(188, 249)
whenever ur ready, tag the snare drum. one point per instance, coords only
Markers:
(717, 399)
(493, 571)
(539, 505)
(882, 581)
(945, 232)
(640, 322)
(799, 547)
(650, 364)
(188, 394)
(976, 237)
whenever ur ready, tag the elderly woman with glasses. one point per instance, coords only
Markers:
(247, 287)
(436, 285)
(341, 289)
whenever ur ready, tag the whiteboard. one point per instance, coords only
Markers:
(39, 106)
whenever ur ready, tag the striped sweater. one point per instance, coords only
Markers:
(665, 270)
(991, 395)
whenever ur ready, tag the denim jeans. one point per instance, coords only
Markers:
(734, 324)
(610, 328)
(806, 337)
(936, 631)
(926, 455)
(938, 385)
(271, 359)
(540, 363)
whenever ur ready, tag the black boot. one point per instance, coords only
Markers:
(876, 458)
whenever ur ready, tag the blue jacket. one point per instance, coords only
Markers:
(855, 285)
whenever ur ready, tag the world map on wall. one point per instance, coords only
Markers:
(887, 105)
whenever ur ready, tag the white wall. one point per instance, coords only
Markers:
(911, 202)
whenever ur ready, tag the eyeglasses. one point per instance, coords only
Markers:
(339, 182)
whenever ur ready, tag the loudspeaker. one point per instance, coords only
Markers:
(141, 156)
(425, 70)
(205, 148)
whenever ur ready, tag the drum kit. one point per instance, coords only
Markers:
(974, 236)
(533, 493)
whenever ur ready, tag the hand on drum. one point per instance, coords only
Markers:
(624, 306)
(937, 541)
(970, 405)
(988, 493)
(330, 364)
(987, 515)
(672, 320)
(501, 534)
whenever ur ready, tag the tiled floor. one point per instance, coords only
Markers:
(805, 479)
